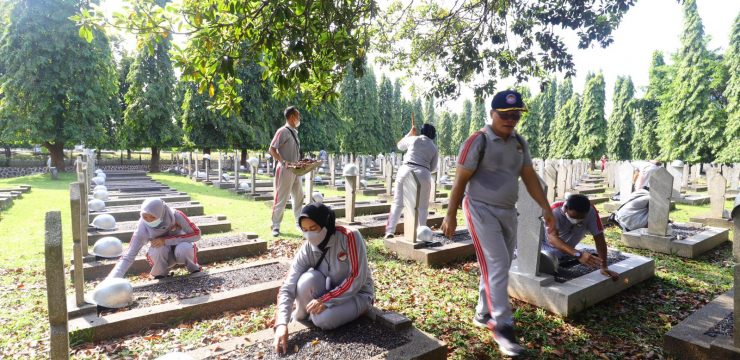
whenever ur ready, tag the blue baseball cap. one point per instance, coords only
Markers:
(508, 100)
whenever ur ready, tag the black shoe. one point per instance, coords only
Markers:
(506, 340)
(159, 277)
(481, 320)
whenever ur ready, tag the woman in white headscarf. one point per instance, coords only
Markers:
(171, 237)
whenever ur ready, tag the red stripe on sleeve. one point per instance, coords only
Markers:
(354, 263)
(467, 146)
(196, 230)
(599, 225)
(557, 205)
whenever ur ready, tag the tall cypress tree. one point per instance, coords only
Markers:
(620, 126)
(150, 100)
(547, 111)
(645, 110)
(529, 126)
(397, 125)
(591, 121)
(364, 117)
(565, 92)
(564, 130)
(444, 134)
(690, 118)
(418, 111)
(731, 151)
(56, 89)
(386, 110)
(480, 116)
(429, 116)
(462, 124)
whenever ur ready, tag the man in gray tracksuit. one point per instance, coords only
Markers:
(489, 165)
(285, 147)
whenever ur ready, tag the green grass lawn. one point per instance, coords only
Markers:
(438, 300)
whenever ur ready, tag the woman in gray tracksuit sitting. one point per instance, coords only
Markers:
(329, 279)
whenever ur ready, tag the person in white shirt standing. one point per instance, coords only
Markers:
(420, 158)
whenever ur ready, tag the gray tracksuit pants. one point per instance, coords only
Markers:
(286, 183)
(402, 180)
(164, 257)
(312, 285)
(494, 237)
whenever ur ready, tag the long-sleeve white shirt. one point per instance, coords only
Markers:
(420, 150)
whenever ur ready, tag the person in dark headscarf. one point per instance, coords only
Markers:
(419, 161)
(329, 279)
(171, 237)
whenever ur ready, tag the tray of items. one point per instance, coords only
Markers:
(303, 167)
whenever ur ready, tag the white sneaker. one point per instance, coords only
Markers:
(276, 232)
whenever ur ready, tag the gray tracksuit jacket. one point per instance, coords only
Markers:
(345, 264)
(183, 231)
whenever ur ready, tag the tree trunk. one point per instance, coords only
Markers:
(154, 164)
(99, 155)
(7, 155)
(243, 158)
(128, 154)
(56, 151)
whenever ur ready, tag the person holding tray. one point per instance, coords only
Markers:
(286, 148)
(171, 237)
(329, 279)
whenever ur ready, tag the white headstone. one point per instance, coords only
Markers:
(661, 188)
(625, 173)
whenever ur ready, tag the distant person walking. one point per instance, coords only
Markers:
(603, 162)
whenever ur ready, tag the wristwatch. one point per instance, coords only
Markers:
(577, 254)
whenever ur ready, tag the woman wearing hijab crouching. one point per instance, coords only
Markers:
(171, 237)
(329, 279)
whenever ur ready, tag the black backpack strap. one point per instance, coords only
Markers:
(296, 140)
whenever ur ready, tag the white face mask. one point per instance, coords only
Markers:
(315, 237)
(153, 224)
(572, 220)
(297, 124)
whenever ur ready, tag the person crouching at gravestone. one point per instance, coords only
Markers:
(420, 158)
(171, 237)
(643, 170)
(285, 147)
(489, 165)
(329, 279)
(574, 218)
(633, 214)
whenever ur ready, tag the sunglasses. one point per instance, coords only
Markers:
(513, 116)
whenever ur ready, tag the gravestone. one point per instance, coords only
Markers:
(75, 192)
(236, 170)
(190, 167)
(55, 287)
(717, 189)
(350, 188)
(568, 177)
(694, 173)
(685, 177)
(221, 167)
(440, 171)
(84, 211)
(661, 188)
(677, 173)
(332, 171)
(195, 177)
(550, 180)
(411, 203)
(612, 175)
(433, 189)
(309, 187)
(529, 230)
(626, 172)
(388, 178)
(562, 173)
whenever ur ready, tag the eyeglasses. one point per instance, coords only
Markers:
(512, 116)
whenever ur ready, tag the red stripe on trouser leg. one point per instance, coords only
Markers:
(195, 254)
(479, 253)
(149, 260)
